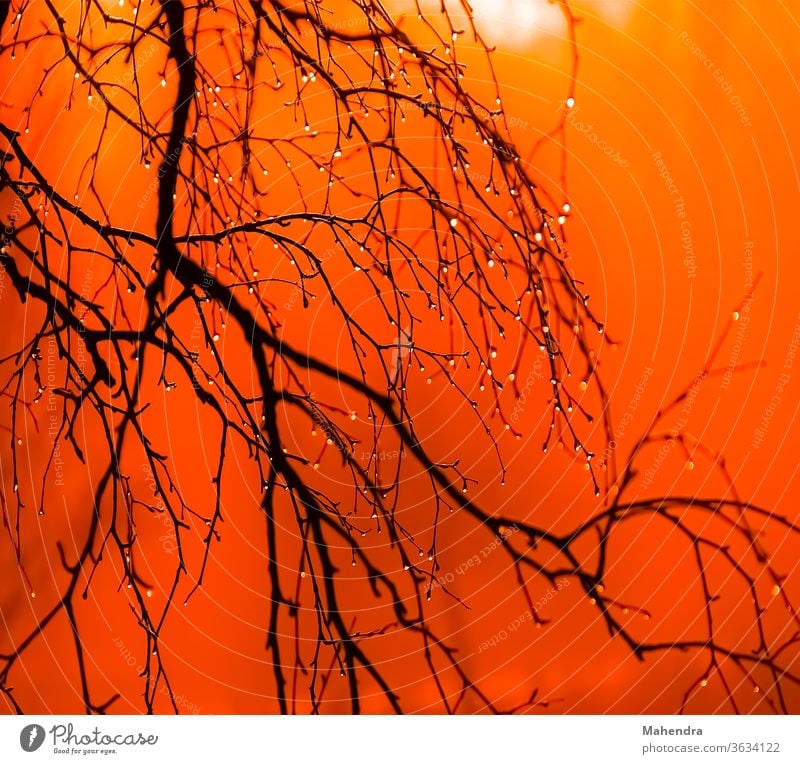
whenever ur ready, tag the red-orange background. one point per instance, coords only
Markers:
(640, 91)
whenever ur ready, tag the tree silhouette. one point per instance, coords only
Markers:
(326, 225)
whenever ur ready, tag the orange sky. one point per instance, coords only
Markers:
(681, 185)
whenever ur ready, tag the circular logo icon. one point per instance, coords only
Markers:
(31, 737)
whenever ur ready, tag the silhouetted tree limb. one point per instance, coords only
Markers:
(498, 271)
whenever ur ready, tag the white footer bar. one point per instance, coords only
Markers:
(399, 740)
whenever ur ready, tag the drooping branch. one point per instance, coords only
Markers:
(469, 283)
